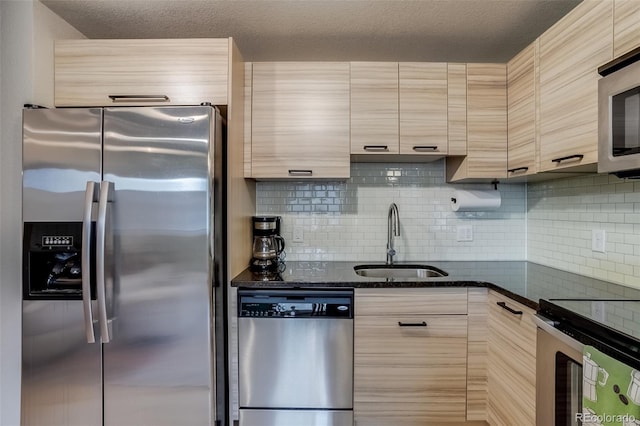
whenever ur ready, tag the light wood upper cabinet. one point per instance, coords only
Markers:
(511, 363)
(570, 53)
(410, 375)
(423, 108)
(457, 108)
(374, 108)
(185, 71)
(521, 124)
(398, 108)
(300, 120)
(626, 26)
(486, 126)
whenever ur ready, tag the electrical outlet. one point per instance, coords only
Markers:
(598, 240)
(298, 234)
(465, 233)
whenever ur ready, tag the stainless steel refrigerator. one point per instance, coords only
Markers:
(124, 271)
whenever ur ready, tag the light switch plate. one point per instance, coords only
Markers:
(465, 233)
(298, 234)
(598, 240)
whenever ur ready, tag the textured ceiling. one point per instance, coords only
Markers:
(288, 30)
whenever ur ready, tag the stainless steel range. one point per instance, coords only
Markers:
(296, 357)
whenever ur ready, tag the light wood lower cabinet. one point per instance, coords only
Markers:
(511, 363)
(410, 360)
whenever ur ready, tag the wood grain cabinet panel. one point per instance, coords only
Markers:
(626, 26)
(521, 113)
(374, 108)
(477, 353)
(186, 71)
(486, 126)
(409, 375)
(300, 120)
(423, 108)
(410, 301)
(570, 53)
(457, 109)
(511, 363)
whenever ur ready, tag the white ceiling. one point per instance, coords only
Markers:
(289, 30)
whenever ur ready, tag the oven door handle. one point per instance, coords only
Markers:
(546, 325)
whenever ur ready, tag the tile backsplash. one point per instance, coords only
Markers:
(562, 215)
(348, 220)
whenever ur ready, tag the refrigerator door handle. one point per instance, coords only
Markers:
(105, 189)
(89, 199)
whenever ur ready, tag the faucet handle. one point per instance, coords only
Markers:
(391, 252)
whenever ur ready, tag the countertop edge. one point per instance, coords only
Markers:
(533, 304)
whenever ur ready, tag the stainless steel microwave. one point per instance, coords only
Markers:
(619, 122)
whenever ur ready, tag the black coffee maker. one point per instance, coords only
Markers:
(268, 245)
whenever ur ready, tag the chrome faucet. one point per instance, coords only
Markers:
(393, 229)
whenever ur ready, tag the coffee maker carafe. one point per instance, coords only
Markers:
(268, 245)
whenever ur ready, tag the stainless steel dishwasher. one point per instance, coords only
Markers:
(295, 357)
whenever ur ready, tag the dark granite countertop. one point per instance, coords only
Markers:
(524, 282)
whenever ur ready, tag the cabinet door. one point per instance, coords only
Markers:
(186, 71)
(570, 53)
(374, 108)
(486, 157)
(521, 124)
(626, 26)
(415, 373)
(423, 108)
(300, 120)
(411, 375)
(457, 109)
(512, 363)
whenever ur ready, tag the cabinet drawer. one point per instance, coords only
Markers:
(186, 71)
(410, 301)
(410, 375)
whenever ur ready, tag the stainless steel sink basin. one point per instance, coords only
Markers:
(399, 271)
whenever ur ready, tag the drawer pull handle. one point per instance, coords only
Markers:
(518, 169)
(412, 324)
(422, 148)
(575, 157)
(297, 172)
(141, 98)
(376, 148)
(503, 305)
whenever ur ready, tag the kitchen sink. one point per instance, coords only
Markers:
(399, 271)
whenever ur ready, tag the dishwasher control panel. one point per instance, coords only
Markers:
(295, 304)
